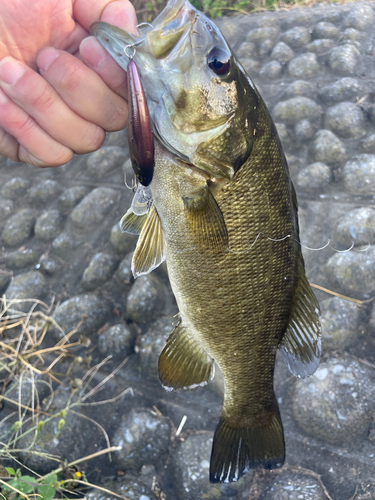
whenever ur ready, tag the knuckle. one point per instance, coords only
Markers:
(71, 78)
(42, 100)
(93, 139)
(117, 119)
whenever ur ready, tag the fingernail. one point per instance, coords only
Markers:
(92, 52)
(46, 57)
(11, 70)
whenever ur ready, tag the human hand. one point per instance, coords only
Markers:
(46, 117)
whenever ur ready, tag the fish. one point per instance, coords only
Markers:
(222, 211)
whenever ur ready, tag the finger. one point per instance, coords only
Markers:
(95, 56)
(36, 146)
(37, 98)
(82, 90)
(71, 44)
(87, 12)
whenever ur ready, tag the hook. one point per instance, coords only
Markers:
(131, 46)
(144, 24)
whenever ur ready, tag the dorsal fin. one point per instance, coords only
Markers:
(150, 250)
(183, 363)
(131, 223)
(301, 343)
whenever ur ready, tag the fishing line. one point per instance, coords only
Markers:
(328, 244)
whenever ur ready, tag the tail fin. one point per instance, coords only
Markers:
(235, 450)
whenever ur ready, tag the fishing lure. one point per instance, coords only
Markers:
(141, 141)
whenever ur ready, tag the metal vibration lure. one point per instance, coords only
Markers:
(141, 141)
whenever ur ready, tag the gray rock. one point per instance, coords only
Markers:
(90, 309)
(291, 486)
(345, 89)
(94, 207)
(64, 245)
(106, 160)
(297, 37)
(371, 325)
(339, 319)
(314, 177)
(22, 258)
(325, 30)
(328, 148)
(367, 145)
(50, 266)
(246, 50)
(258, 35)
(352, 273)
(351, 34)
(304, 66)
(19, 227)
(265, 48)
(144, 438)
(298, 17)
(271, 70)
(71, 197)
(360, 17)
(320, 47)
(146, 299)
(118, 341)
(300, 88)
(6, 208)
(357, 226)
(283, 132)
(5, 278)
(347, 120)
(345, 60)
(152, 343)
(122, 242)
(100, 270)
(48, 225)
(44, 192)
(118, 138)
(30, 285)
(282, 53)
(124, 276)
(303, 131)
(251, 66)
(25, 390)
(131, 488)
(358, 176)
(337, 402)
(15, 189)
(191, 463)
(296, 109)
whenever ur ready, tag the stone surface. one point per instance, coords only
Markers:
(300, 88)
(152, 343)
(94, 207)
(22, 258)
(360, 17)
(19, 227)
(321, 403)
(340, 319)
(351, 273)
(90, 309)
(270, 70)
(43, 193)
(296, 109)
(315, 176)
(294, 486)
(146, 299)
(303, 130)
(347, 120)
(123, 243)
(118, 341)
(357, 226)
(144, 437)
(345, 89)
(321, 47)
(64, 245)
(124, 276)
(304, 66)
(15, 188)
(282, 53)
(358, 176)
(30, 285)
(260, 34)
(328, 148)
(325, 30)
(6, 208)
(131, 488)
(99, 270)
(71, 197)
(296, 37)
(105, 161)
(367, 145)
(48, 225)
(345, 60)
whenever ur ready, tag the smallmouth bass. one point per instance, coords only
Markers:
(221, 209)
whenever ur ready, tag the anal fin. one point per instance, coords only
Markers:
(235, 450)
(183, 364)
(150, 250)
(301, 343)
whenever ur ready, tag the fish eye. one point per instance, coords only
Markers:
(218, 60)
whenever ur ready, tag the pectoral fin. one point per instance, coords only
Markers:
(301, 344)
(205, 220)
(150, 250)
(183, 364)
(131, 223)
